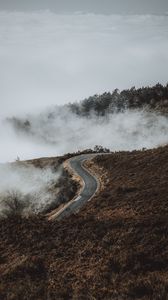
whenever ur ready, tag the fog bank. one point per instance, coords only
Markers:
(59, 131)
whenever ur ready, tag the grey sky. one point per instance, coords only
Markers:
(95, 6)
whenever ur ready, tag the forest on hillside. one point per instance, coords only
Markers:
(119, 120)
(154, 98)
(149, 98)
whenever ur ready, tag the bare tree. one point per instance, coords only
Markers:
(14, 203)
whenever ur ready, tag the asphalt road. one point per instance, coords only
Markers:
(90, 186)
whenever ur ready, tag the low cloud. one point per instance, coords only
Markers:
(58, 131)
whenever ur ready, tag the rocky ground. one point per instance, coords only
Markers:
(115, 248)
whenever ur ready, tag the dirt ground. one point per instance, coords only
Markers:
(115, 248)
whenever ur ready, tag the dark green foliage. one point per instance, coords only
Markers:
(155, 97)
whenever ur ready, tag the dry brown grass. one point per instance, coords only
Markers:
(115, 248)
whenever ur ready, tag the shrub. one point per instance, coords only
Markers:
(15, 204)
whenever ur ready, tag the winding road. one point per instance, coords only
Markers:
(89, 187)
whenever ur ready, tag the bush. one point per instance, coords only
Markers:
(15, 204)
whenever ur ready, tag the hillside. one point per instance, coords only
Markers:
(116, 247)
(153, 98)
(119, 120)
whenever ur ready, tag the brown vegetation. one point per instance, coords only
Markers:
(115, 248)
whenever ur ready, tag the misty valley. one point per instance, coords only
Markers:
(84, 150)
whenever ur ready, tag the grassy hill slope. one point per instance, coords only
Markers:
(115, 248)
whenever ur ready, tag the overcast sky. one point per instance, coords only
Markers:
(48, 59)
(96, 6)
(51, 55)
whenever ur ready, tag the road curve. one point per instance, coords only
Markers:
(90, 186)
